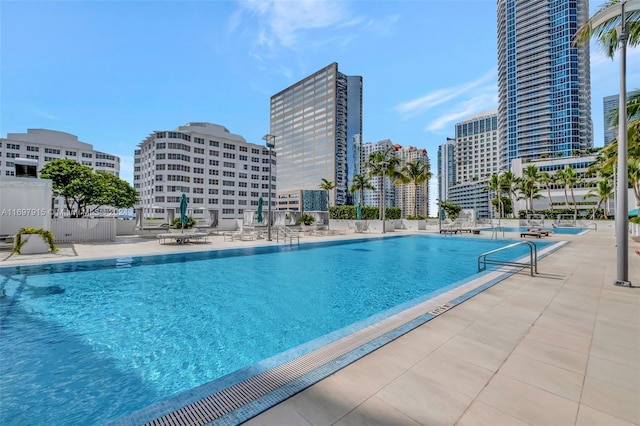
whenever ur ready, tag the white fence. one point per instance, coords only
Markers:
(81, 230)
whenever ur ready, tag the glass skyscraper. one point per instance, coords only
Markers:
(315, 122)
(544, 81)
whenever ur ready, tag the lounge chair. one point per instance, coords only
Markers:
(530, 234)
(543, 232)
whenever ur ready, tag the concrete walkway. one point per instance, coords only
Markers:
(562, 348)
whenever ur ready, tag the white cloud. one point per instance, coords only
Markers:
(464, 109)
(44, 114)
(417, 106)
(286, 22)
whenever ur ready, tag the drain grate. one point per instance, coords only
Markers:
(441, 309)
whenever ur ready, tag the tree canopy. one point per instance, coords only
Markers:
(85, 190)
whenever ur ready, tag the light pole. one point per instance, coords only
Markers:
(622, 220)
(271, 143)
(384, 195)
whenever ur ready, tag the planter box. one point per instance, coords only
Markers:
(33, 244)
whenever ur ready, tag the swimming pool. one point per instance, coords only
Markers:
(88, 342)
(564, 231)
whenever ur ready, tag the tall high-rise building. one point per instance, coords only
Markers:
(609, 103)
(446, 169)
(412, 199)
(543, 80)
(477, 154)
(372, 196)
(315, 122)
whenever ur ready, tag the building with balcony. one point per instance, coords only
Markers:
(476, 154)
(543, 80)
(372, 196)
(216, 169)
(315, 122)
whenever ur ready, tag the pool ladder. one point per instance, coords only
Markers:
(483, 261)
(284, 232)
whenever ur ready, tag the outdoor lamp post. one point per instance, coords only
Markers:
(271, 143)
(622, 220)
(384, 196)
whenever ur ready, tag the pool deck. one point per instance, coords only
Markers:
(560, 348)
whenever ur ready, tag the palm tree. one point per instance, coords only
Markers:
(634, 177)
(561, 179)
(495, 184)
(547, 180)
(382, 164)
(360, 184)
(606, 33)
(604, 191)
(572, 179)
(530, 177)
(328, 186)
(416, 172)
(510, 186)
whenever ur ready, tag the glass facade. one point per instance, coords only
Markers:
(544, 82)
(312, 123)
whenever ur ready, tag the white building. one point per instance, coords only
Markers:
(43, 145)
(216, 169)
(405, 194)
(551, 166)
(372, 197)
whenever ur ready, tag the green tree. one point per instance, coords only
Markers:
(382, 164)
(571, 180)
(547, 180)
(604, 191)
(328, 186)
(82, 188)
(510, 185)
(417, 173)
(495, 184)
(360, 184)
(528, 185)
(634, 177)
(452, 210)
(606, 33)
(561, 179)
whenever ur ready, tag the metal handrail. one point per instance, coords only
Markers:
(286, 232)
(533, 258)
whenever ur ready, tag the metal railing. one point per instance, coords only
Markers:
(284, 233)
(533, 258)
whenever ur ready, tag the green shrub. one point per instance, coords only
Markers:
(306, 219)
(45, 234)
(175, 223)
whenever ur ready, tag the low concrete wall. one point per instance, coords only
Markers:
(81, 230)
(414, 225)
(125, 227)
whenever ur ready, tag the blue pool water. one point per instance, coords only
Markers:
(88, 342)
(565, 231)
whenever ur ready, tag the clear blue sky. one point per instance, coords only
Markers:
(112, 72)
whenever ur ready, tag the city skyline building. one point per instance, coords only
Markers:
(315, 122)
(476, 154)
(543, 80)
(609, 103)
(372, 196)
(216, 169)
(410, 197)
(446, 169)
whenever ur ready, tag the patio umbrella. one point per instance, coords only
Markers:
(260, 201)
(358, 212)
(183, 211)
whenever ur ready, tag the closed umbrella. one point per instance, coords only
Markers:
(183, 211)
(260, 201)
(358, 212)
